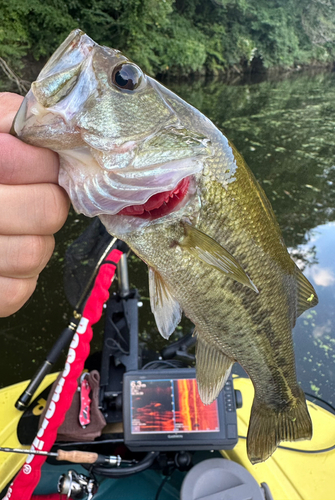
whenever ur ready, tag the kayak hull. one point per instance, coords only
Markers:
(296, 471)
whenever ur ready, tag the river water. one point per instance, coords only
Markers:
(285, 130)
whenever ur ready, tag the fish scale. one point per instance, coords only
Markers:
(216, 252)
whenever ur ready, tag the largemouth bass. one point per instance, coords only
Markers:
(165, 180)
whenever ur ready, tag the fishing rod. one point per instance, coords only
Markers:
(63, 340)
(74, 456)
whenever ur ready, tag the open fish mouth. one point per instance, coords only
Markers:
(159, 204)
(125, 153)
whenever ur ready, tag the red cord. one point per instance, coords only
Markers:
(29, 476)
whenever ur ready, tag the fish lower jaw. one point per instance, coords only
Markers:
(159, 204)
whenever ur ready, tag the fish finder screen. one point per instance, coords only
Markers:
(174, 405)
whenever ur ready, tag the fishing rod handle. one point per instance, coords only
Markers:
(77, 457)
(63, 341)
(87, 457)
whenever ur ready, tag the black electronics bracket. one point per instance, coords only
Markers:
(121, 361)
(120, 352)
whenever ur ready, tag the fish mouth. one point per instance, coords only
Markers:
(159, 204)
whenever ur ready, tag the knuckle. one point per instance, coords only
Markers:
(24, 256)
(55, 208)
(9, 104)
(5, 97)
(15, 293)
(6, 166)
(35, 255)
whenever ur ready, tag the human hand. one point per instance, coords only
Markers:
(32, 208)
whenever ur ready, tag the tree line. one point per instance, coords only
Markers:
(179, 37)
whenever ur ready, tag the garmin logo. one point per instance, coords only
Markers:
(174, 436)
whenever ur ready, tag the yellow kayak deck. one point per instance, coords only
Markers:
(10, 463)
(296, 473)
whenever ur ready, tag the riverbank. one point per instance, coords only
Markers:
(236, 75)
(177, 37)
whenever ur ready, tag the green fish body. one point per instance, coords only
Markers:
(164, 179)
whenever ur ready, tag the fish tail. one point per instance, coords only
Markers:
(269, 426)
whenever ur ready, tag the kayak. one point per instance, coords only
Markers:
(297, 471)
(302, 470)
(185, 469)
(10, 423)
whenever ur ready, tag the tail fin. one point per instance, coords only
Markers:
(268, 427)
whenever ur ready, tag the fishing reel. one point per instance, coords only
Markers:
(77, 486)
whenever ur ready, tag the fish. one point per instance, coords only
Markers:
(164, 179)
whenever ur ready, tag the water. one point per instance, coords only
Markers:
(285, 130)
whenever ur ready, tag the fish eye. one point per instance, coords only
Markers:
(127, 76)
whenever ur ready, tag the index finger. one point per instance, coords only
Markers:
(21, 163)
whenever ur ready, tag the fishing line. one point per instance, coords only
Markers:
(89, 284)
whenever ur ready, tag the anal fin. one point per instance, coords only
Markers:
(268, 427)
(164, 306)
(213, 368)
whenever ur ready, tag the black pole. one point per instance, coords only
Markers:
(61, 343)
(63, 340)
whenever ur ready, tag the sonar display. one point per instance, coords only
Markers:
(163, 406)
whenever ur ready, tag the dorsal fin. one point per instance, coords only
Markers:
(213, 369)
(212, 253)
(164, 306)
(306, 295)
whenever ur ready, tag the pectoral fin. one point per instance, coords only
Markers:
(212, 253)
(213, 368)
(165, 308)
(306, 294)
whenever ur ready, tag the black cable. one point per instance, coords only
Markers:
(120, 472)
(324, 450)
(121, 337)
(119, 334)
(235, 377)
(164, 363)
(112, 343)
(161, 486)
(322, 401)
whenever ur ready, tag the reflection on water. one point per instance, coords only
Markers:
(314, 333)
(285, 130)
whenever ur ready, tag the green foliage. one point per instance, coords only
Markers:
(285, 131)
(177, 36)
(36, 26)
